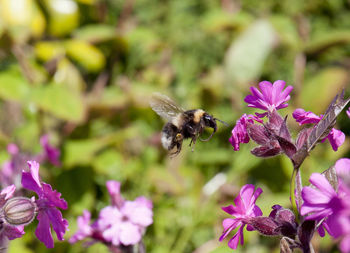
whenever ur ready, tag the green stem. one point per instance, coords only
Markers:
(292, 191)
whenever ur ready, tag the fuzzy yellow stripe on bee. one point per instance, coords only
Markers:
(198, 115)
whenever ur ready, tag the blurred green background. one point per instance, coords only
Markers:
(82, 71)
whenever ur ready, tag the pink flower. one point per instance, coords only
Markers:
(125, 224)
(348, 112)
(336, 137)
(244, 210)
(272, 96)
(239, 132)
(120, 224)
(50, 152)
(48, 202)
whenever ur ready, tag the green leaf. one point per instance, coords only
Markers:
(85, 54)
(81, 152)
(59, 101)
(247, 54)
(13, 86)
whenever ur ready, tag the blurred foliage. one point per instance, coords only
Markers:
(84, 70)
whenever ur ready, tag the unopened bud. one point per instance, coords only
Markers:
(19, 211)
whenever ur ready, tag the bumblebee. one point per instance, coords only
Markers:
(182, 124)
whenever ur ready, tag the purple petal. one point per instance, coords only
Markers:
(31, 180)
(113, 188)
(342, 167)
(314, 196)
(84, 228)
(348, 112)
(229, 224)
(112, 234)
(345, 243)
(246, 194)
(277, 92)
(138, 213)
(7, 192)
(303, 117)
(266, 89)
(336, 138)
(12, 232)
(322, 184)
(239, 132)
(43, 231)
(59, 224)
(53, 197)
(229, 209)
(108, 216)
(233, 242)
(130, 234)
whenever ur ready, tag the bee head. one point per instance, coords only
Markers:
(209, 121)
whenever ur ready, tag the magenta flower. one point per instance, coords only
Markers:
(336, 137)
(125, 225)
(50, 152)
(244, 210)
(48, 202)
(348, 112)
(272, 96)
(239, 132)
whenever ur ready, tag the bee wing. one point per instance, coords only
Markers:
(164, 106)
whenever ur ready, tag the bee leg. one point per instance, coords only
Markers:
(193, 141)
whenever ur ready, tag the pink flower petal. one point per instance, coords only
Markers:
(43, 231)
(130, 234)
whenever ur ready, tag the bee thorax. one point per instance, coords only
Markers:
(197, 115)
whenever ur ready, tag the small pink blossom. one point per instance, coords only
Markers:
(48, 202)
(50, 152)
(120, 224)
(239, 132)
(336, 137)
(243, 210)
(126, 224)
(271, 97)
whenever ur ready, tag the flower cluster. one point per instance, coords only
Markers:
(322, 206)
(19, 211)
(118, 225)
(273, 136)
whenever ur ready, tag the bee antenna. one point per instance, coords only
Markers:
(223, 122)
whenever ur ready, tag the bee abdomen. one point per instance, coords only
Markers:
(168, 133)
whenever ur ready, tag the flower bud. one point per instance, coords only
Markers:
(19, 211)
